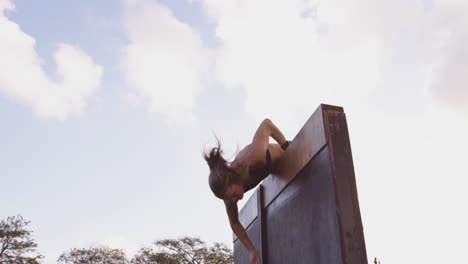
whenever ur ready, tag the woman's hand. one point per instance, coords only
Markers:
(254, 257)
(238, 229)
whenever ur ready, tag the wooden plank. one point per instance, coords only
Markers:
(301, 223)
(307, 143)
(349, 216)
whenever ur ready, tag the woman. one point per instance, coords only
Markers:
(230, 180)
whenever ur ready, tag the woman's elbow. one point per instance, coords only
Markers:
(266, 122)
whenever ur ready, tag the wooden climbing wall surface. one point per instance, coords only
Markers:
(307, 211)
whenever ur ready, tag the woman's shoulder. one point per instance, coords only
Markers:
(243, 156)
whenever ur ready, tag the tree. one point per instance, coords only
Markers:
(219, 254)
(152, 256)
(16, 243)
(186, 250)
(95, 255)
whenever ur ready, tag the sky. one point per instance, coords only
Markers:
(106, 107)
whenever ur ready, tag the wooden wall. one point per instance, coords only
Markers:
(307, 211)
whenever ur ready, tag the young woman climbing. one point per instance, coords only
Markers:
(230, 180)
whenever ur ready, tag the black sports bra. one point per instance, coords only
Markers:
(256, 175)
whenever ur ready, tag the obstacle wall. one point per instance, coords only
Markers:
(307, 211)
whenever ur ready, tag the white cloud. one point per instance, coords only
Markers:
(300, 51)
(165, 62)
(294, 53)
(338, 51)
(449, 75)
(23, 79)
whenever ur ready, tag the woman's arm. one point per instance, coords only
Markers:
(238, 229)
(266, 130)
(260, 143)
